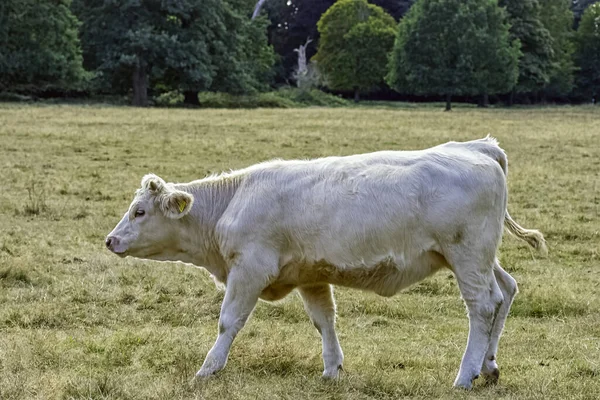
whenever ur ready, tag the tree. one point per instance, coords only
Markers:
(180, 45)
(295, 21)
(588, 53)
(578, 7)
(557, 18)
(39, 47)
(143, 39)
(396, 8)
(356, 38)
(454, 47)
(244, 60)
(536, 44)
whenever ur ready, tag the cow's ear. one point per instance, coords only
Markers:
(175, 203)
(153, 183)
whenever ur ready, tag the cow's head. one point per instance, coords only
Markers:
(149, 228)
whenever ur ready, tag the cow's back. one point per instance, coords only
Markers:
(364, 207)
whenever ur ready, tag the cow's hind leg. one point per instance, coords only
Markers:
(508, 286)
(320, 306)
(483, 298)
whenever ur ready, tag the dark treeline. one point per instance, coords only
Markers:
(524, 51)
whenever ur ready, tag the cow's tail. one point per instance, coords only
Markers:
(533, 237)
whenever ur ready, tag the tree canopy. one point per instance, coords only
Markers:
(356, 38)
(39, 47)
(557, 18)
(579, 7)
(185, 45)
(454, 47)
(170, 50)
(588, 53)
(535, 65)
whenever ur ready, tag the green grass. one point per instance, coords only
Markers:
(78, 322)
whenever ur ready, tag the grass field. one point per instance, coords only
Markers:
(78, 322)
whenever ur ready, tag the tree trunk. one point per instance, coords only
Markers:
(511, 98)
(448, 102)
(484, 101)
(140, 87)
(356, 95)
(190, 98)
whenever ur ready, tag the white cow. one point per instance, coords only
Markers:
(380, 221)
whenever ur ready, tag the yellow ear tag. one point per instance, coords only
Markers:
(181, 204)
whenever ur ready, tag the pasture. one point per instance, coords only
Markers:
(79, 322)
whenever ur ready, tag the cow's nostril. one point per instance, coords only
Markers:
(108, 242)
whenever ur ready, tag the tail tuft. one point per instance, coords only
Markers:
(533, 237)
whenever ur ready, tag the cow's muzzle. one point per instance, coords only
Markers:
(112, 243)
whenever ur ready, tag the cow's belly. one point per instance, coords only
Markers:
(385, 278)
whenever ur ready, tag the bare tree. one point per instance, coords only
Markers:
(306, 74)
(302, 69)
(257, 8)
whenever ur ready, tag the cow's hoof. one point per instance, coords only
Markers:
(204, 374)
(465, 384)
(200, 378)
(491, 377)
(332, 373)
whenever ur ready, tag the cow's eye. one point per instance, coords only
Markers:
(139, 213)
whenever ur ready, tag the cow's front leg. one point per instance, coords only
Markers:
(241, 296)
(320, 306)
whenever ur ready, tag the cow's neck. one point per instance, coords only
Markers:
(197, 242)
